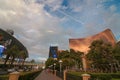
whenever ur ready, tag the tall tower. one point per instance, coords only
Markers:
(53, 52)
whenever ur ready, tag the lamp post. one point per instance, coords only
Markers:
(60, 61)
(54, 66)
(51, 67)
(111, 66)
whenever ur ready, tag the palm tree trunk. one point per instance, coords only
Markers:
(12, 61)
(23, 61)
(6, 59)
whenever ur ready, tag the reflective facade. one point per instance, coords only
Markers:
(82, 44)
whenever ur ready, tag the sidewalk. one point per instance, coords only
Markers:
(46, 76)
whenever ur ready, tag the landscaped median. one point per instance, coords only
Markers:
(94, 76)
(23, 75)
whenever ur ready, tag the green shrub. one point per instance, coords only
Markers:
(23, 75)
(73, 76)
(4, 77)
(28, 75)
(100, 76)
(115, 79)
(115, 75)
(94, 76)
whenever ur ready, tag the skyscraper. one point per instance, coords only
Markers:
(53, 52)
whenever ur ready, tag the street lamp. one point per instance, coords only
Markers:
(60, 61)
(54, 65)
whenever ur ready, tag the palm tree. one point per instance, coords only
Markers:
(14, 53)
(21, 55)
(11, 53)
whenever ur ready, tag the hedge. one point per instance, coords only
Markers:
(115, 75)
(94, 76)
(28, 75)
(4, 77)
(74, 76)
(101, 76)
(23, 76)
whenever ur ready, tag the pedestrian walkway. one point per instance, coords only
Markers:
(46, 76)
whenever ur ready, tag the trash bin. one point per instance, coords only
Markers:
(14, 76)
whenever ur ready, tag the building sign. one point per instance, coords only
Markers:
(1, 50)
(54, 54)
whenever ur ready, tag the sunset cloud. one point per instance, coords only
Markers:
(41, 23)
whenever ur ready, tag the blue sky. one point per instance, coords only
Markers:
(41, 23)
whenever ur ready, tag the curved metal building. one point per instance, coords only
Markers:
(82, 44)
(11, 40)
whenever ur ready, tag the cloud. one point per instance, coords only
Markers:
(96, 15)
(38, 28)
(113, 8)
(31, 23)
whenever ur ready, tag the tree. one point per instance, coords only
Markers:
(68, 61)
(117, 51)
(77, 56)
(49, 62)
(64, 54)
(21, 55)
(101, 55)
(71, 58)
(12, 52)
(116, 55)
(32, 61)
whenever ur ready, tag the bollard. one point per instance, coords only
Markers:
(86, 76)
(14, 76)
(64, 74)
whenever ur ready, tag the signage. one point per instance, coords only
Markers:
(1, 50)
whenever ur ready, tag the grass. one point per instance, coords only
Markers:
(115, 79)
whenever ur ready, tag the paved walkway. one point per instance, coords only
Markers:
(46, 76)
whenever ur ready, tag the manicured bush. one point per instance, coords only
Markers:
(94, 76)
(115, 79)
(73, 76)
(23, 75)
(28, 75)
(115, 75)
(100, 76)
(4, 77)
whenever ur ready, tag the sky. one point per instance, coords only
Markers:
(39, 24)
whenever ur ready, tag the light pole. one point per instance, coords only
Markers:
(60, 61)
(111, 66)
(54, 66)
